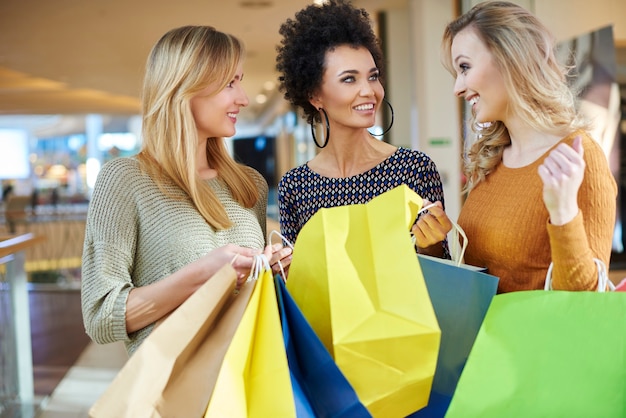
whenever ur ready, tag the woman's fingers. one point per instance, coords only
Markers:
(432, 225)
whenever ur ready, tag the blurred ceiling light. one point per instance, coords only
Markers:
(269, 85)
(57, 171)
(124, 140)
(255, 4)
(261, 98)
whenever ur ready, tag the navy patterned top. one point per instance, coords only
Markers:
(302, 192)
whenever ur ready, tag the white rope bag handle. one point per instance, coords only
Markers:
(290, 245)
(260, 263)
(603, 277)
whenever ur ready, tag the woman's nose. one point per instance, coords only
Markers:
(459, 87)
(366, 89)
(242, 98)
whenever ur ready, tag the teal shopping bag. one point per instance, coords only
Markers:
(547, 354)
(461, 295)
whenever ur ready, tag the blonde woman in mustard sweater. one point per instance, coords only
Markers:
(540, 189)
(162, 223)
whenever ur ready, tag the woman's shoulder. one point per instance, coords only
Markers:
(410, 157)
(590, 144)
(257, 177)
(119, 170)
(297, 174)
(410, 153)
(120, 166)
(126, 176)
(592, 148)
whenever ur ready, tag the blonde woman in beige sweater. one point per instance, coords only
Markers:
(162, 223)
(540, 189)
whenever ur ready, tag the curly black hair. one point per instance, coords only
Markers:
(306, 39)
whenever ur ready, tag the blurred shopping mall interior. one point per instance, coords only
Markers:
(70, 78)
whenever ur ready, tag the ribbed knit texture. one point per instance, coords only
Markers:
(136, 235)
(508, 229)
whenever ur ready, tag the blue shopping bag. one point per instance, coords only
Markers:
(319, 387)
(460, 295)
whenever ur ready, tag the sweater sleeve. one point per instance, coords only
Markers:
(590, 234)
(108, 254)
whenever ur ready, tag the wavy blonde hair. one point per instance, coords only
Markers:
(182, 63)
(524, 51)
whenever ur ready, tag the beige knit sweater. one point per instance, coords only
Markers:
(508, 229)
(136, 235)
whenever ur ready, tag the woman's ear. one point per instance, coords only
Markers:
(315, 101)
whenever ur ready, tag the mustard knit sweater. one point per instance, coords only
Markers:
(508, 229)
(136, 235)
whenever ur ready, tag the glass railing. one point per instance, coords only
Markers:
(16, 363)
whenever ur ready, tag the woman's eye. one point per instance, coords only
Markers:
(464, 68)
(348, 80)
(229, 85)
(374, 77)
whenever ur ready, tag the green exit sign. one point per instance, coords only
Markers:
(439, 142)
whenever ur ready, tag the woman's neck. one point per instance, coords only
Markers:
(202, 164)
(347, 157)
(527, 145)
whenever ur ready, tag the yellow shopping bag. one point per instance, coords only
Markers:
(254, 379)
(356, 279)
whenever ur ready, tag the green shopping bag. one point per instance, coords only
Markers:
(547, 354)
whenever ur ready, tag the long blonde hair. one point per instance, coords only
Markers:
(182, 63)
(524, 51)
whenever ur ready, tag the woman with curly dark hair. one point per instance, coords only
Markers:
(330, 66)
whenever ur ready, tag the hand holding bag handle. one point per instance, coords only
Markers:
(282, 274)
(457, 245)
(254, 379)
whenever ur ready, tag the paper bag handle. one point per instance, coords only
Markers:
(457, 249)
(290, 245)
(603, 277)
(260, 263)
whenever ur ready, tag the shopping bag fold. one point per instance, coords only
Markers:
(320, 389)
(355, 277)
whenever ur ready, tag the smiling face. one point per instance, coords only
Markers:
(351, 90)
(478, 79)
(215, 114)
